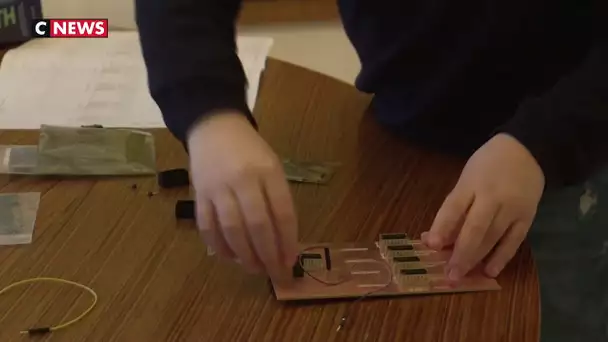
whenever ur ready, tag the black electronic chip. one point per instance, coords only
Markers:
(297, 270)
(400, 248)
(396, 236)
(310, 256)
(406, 259)
(413, 271)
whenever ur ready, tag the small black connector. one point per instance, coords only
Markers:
(304, 256)
(184, 209)
(173, 178)
(38, 331)
(297, 270)
(396, 236)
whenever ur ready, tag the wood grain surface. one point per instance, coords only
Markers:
(155, 282)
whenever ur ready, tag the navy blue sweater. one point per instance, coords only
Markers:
(445, 73)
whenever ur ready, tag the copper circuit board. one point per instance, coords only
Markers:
(394, 266)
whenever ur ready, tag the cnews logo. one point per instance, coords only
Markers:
(70, 28)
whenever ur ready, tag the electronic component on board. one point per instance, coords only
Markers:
(405, 259)
(413, 271)
(414, 279)
(393, 239)
(297, 270)
(327, 259)
(310, 256)
(399, 263)
(312, 261)
(399, 250)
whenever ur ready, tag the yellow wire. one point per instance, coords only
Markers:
(60, 281)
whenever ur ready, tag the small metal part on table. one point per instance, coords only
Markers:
(309, 172)
(184, 209)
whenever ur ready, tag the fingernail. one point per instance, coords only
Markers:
(454, 274)
(493, 272)
(424, 237)
(436, 242)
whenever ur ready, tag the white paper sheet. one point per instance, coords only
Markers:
(73, 82)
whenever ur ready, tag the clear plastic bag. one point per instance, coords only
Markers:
(18, 217)
(95, 151)
(18, 159)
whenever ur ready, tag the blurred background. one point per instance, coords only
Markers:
(306, 32)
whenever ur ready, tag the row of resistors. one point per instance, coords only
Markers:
(415, 267)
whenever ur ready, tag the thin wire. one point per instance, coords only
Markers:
(60, 281)
(389, 281)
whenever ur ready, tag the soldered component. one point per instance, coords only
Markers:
(310, 256)
(312, 261)
(413, 271)
(393, 236)
(402, 263)
(400, 259)
(297, 270)
(400, 251)
(414, 280)
(327, 259)
(399, 263)
(394, 239)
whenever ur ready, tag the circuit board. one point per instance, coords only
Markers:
(393, 266)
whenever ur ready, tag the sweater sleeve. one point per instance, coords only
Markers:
(189, 48)
(566, 129)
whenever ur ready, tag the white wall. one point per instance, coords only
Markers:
(321, 46)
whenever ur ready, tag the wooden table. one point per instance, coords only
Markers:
(155, 282)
